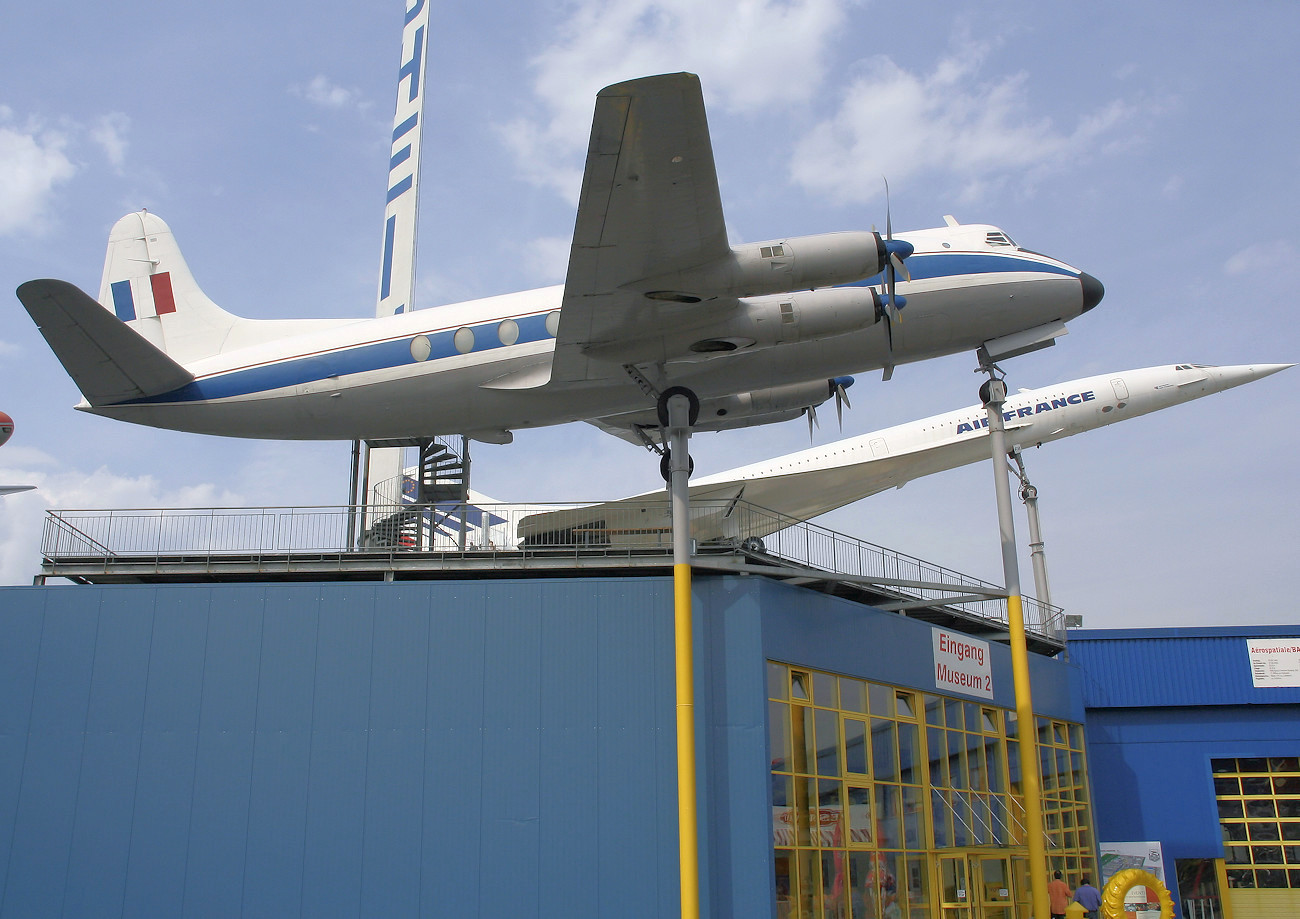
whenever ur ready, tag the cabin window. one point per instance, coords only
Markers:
(464, 340)
(508, 332)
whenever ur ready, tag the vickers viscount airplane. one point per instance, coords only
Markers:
(655, 297)
(803, 485)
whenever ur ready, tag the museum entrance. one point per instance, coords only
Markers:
(975, 885)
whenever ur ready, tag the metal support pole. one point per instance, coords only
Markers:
(993, 393)
(464, 491)
(1037, 552)
(364, 523)
(353, 485)
(687, 818)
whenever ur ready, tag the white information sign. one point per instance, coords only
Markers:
(962, 664)
(1120, 856)
(1274, 661)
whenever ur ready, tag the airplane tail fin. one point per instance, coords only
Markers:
(148, 286)
(109, 362)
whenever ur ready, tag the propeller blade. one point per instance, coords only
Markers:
(899, 266)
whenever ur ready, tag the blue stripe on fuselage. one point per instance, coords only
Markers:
(383, 355)
(344, 362)
(923, 266)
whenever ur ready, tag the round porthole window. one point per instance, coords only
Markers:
(553, 323)
(420, 347)
(464, 340)
(508, 332)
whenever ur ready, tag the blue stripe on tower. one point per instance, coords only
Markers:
(386, 276)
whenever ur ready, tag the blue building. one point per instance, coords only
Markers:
(1194, 741)
(505, 747)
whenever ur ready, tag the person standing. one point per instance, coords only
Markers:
(1088, 897)
(1058, 895)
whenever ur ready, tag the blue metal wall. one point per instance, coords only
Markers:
(1161, 704)
(491, 748)
(464, 749)
(1167, 667)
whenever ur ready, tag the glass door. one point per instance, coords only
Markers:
(975, 885)
(955, 900)
(992, 877)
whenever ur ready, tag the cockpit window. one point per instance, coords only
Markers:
(998, 238)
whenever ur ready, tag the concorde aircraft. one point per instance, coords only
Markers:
(7, 431)
(655, 297)
(799, 486)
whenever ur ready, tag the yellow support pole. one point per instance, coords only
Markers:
(993, 394)
(678, 406)
(687, 818)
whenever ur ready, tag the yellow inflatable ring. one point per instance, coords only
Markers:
(1117, 888)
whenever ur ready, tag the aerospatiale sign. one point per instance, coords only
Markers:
(961, 664)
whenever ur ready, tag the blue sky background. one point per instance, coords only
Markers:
(1154, 145)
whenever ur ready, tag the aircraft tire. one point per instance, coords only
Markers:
(662, 404)
(665, 466)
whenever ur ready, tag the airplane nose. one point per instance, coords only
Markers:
(1093, 290)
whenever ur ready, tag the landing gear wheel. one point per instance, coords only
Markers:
(753, 544)
(667, 394)
(666, 466)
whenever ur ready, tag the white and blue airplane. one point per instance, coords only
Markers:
(655, 297)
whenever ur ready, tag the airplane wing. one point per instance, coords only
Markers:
(108, 361)
(649, 206)
(14, 489)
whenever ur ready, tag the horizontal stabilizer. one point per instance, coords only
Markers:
(108, 361)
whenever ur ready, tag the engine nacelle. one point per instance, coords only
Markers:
(742, 410)
(773, 267)
(762, 406)
(764, 322)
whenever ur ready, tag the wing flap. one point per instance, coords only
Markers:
(107, 360)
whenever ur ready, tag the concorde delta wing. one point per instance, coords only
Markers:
(649, 207)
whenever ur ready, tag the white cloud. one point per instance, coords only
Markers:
(109, 131)
(33, 162)
(325, 93)
(983, 132)
(547, 258)
(734, 46)
(22, 515)
(1262, 257)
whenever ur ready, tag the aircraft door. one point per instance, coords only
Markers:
(1121, 389)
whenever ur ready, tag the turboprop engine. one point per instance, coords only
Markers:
(756, 323)
(764, 322)
(779, 266)
(746, 409)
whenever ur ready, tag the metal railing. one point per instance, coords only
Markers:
(434, 534)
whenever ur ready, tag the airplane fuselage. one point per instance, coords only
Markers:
(481, 367)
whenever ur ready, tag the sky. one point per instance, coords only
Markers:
(1153, 145)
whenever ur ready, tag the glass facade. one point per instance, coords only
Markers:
(1259, 812)
(891, 803)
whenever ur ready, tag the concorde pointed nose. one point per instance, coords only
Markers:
(1093, 290)
(1240, 374)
